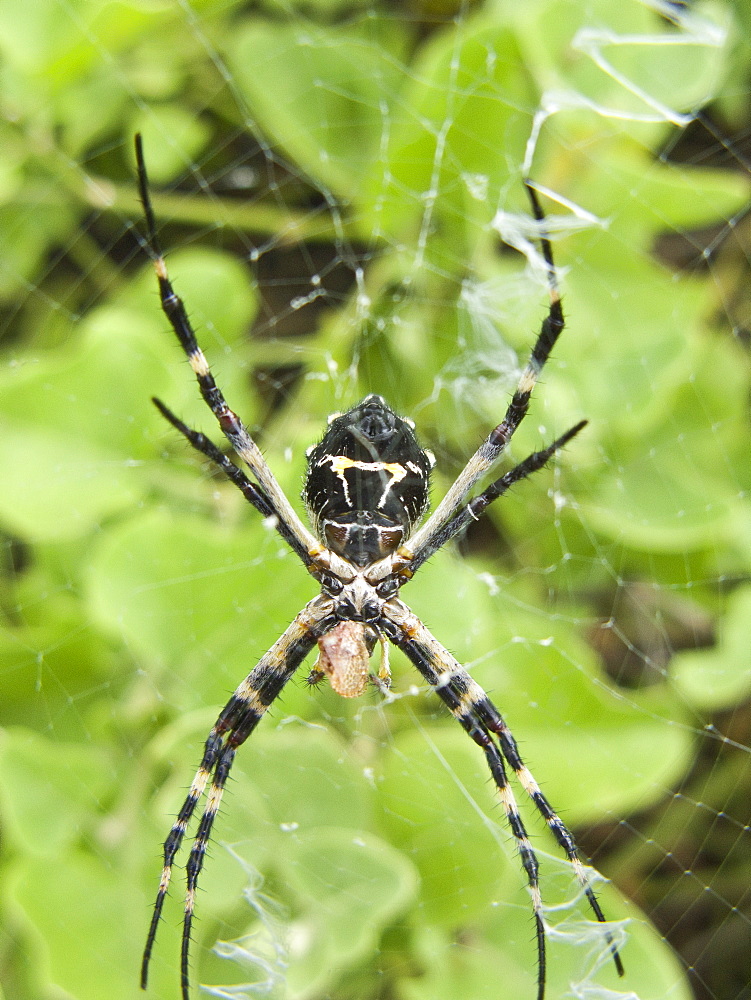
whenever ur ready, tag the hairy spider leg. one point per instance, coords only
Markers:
(477, 715)
(252, 493)
(495, 444)
(236, 722)
(229, 422)
(475, 508)
(495, 722)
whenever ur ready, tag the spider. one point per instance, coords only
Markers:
(366, 492)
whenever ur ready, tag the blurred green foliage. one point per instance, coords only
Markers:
(138, 590)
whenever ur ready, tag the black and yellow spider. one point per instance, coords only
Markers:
(366, 490)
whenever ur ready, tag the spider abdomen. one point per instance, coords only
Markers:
(367, 482)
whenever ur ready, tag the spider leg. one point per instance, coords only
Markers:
(470, 705)
(252, 493)
(495, 722)
(495, 444)
(229, 422)
(473, 510)
(236, 722)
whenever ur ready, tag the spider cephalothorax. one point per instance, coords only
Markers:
(366, 492)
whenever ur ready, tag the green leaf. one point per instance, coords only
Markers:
(172, 139)
(440, 809)
(52, 790)
(318, 92)
(354, 884)
(468, 97)
(92, 897)
(716, 679)
(148, 585)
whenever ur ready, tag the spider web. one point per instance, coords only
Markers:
(339, 190)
